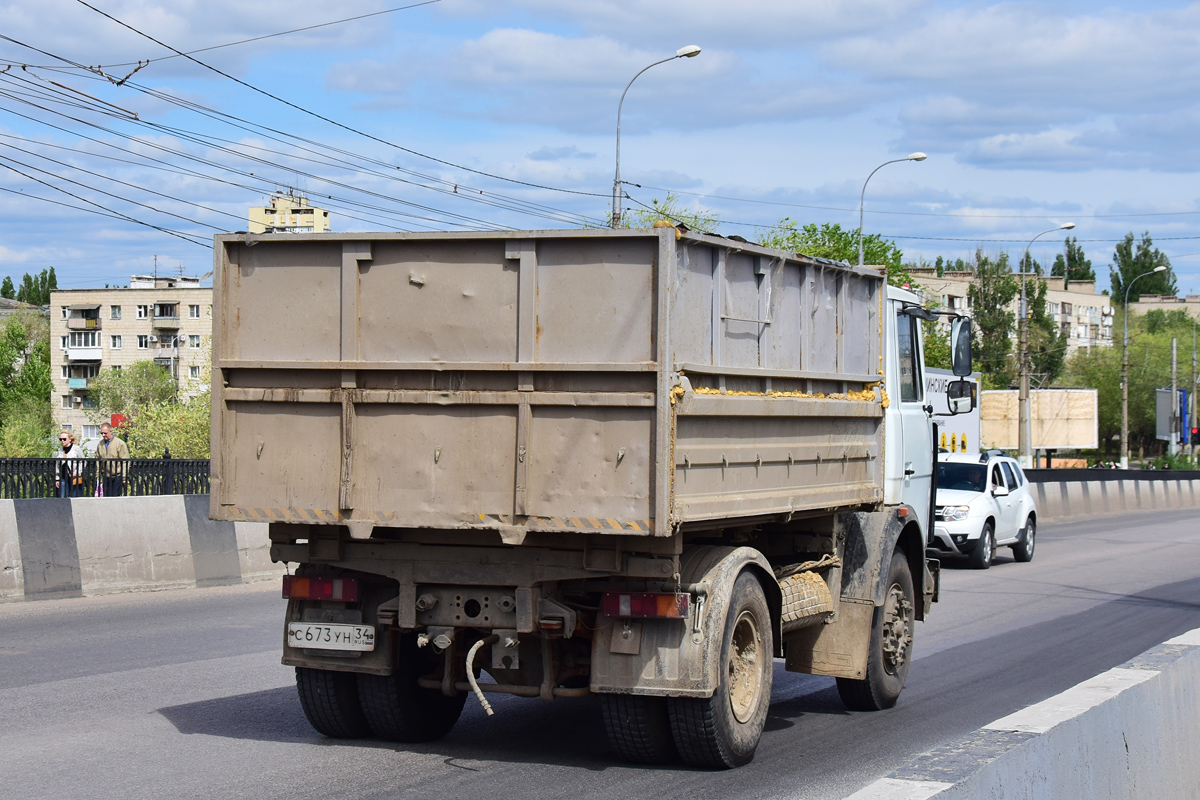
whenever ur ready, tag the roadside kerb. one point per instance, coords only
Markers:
(1130, 732)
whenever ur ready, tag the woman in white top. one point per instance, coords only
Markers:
(68, 481)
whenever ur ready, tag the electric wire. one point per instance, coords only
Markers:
(329, 120)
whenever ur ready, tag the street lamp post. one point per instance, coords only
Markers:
(1125, 372)
(1024, 427)
(689, 51)
(862, 195)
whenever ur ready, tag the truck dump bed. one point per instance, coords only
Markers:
(592, 381)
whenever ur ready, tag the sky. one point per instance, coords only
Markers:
(475, 114)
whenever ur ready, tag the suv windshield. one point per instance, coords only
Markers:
(963, 477)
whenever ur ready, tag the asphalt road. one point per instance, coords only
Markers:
(181, 694)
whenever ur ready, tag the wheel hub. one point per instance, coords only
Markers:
(896, 622)
(745, 668)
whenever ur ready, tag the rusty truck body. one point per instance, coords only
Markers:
(634, 463)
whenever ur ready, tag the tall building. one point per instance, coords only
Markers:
(288, 213)
(1084, 318)
(166, 320)
(1189, 304)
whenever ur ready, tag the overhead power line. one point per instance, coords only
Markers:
(329, 120)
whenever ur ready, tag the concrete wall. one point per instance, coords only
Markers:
(1131, 732)
(1082, 492)
(97, 545)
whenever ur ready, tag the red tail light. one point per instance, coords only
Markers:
(296, 587)
(646, 605)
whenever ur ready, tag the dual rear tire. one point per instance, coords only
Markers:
(347, 705)
(717, 732)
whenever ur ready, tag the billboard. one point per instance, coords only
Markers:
(1061, 419)
(960, 433)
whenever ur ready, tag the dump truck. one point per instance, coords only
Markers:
(639, 464)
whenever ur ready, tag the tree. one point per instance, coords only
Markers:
(183, 427)
(1047, 349)
(1128, 263)
(670, 210)
(828, 240)
(1076, 266)
(128, 391)
(937, 345)
(25, 386)
(6, 289)
(991, 293)
(35, 289)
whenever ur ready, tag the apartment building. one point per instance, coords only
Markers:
(166, 320)
(1189, 304)
(288, 212)
(1085, 318)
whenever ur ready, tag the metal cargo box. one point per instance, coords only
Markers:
(579, 381)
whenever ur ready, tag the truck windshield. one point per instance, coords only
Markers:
(963, 477)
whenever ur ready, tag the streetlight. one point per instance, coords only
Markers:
(690, 51)
(863, 194)
(1024, 428)
(1125, 372)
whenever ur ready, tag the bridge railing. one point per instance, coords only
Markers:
(22, 478)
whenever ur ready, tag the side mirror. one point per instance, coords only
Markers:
(960, 346)
(960, 397)
(1000, 491)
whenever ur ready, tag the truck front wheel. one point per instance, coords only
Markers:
(398, 709)
(330, 701)
(722, 731)
(890, 648)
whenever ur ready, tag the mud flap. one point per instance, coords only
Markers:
(838, 648)
(678, 658)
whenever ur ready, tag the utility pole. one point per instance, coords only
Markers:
(1172, 447)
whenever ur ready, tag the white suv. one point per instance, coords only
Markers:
(983, 502)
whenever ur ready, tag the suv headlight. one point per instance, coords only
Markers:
(954, 513)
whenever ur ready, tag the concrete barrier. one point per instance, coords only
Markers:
(98, 545)
(1087, 492)
(1131, 732)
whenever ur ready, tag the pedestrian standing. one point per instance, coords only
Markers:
(69, 477)
(113, 454)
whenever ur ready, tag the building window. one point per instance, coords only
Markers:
(194, 312)
(114, 312)
(115, 368)
(91, 403)
(166, 310)
(193, 372)
(66, 312)
(66, 401)
(84, 339)
(64, 342)
(210, 310)
(194, 340)
(143, 341)
(116, 342)
(143, 312)
(91, 431)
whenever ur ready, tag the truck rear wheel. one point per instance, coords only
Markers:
(890, 648)
(639, 728)
(330, 701)
(722, 731)
(398, 709)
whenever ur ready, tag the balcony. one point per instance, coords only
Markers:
(164, 353)
(83, 354)
(77, 383)
(166, 323)
(81, 324)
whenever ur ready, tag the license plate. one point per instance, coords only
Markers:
(330, 636)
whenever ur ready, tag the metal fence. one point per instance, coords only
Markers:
(35, 477)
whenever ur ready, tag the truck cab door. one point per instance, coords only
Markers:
(913, 477)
